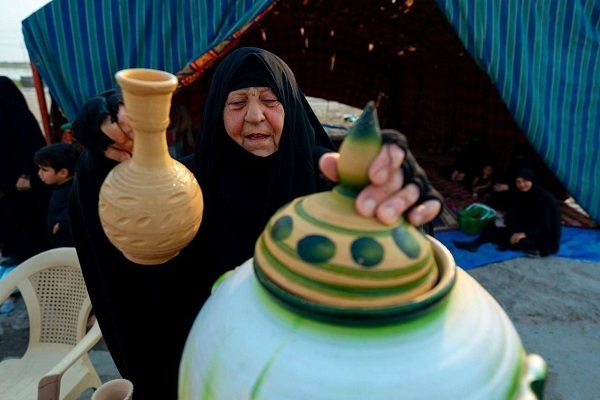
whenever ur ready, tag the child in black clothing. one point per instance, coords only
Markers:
(56, 164)
(481, 187)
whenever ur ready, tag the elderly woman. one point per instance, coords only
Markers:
(259, 146)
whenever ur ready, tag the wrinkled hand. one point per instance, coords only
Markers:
(23, 184)
(386, 198)
(516, 237)
(500, 187)
(122, 135)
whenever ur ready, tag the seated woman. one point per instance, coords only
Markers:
(532, 223)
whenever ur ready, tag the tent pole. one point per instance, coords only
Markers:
(39, 89)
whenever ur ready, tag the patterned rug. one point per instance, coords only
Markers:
(456, 198)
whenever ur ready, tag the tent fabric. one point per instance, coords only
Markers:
(418, 72)
(541, 57)
(544, 59)
(77, 46)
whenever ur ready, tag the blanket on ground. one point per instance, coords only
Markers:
(575, 244)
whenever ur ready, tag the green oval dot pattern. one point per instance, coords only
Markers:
(366, 252)
(282, 228)
(406, 242)
(316, 249)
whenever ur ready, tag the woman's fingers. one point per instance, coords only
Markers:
(123, 122)
(121, 134)
(117, 154)
(387, 162)
(328, 165)
(424, 213)
(389, 209)
(376, 200)
(385, 198)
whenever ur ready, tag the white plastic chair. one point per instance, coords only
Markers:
(56, 364)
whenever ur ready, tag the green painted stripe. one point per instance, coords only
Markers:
(340, 290)
(371, 272)
(429, 309)
(515, 379)
(304, 214)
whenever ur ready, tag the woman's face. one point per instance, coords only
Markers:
(254, 118)
(523, 184)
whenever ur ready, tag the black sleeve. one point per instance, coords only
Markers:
(188, 161)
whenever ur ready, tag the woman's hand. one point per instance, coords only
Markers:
(122, 135)
(102, 127)
(23, 183)
(517, 237)
(501, 187)
(386, 198)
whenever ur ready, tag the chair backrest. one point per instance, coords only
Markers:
(55, 295)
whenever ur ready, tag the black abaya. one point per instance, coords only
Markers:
(22, 213)
(146, 312)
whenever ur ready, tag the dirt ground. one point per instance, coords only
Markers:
(552, 302)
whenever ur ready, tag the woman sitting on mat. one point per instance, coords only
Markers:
(532, 223)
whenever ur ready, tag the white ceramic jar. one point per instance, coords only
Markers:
(246, 344)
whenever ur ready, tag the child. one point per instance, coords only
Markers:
(482, 183)
(56, 164)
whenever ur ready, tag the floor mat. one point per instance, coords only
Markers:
(575, 244)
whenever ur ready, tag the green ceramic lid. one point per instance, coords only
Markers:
(320, 257)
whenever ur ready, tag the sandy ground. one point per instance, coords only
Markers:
(552, 302)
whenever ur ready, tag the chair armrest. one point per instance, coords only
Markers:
(5, 290)
(49, 385)
(9, 283)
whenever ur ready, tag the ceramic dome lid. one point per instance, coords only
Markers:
(320, 257)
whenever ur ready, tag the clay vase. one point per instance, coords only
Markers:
(116, 389)
(151, 205)
(338, 306)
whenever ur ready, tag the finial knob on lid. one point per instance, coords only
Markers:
(320, 257)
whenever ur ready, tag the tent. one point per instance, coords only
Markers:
(439, 69)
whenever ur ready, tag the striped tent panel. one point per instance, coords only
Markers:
(544, 58)
(78, 45)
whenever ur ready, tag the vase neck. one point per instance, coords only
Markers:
(150, 149)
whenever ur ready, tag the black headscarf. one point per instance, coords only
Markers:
(243, 190)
